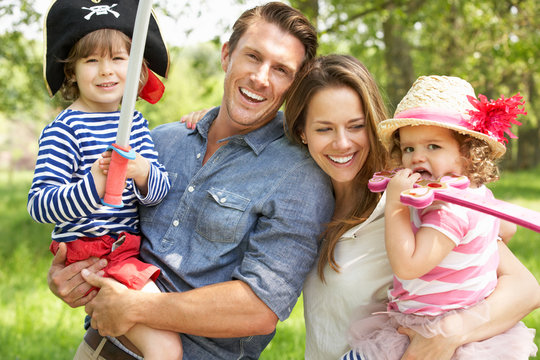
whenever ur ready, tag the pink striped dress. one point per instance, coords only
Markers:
(464, 278)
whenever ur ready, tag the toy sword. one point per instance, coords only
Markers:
(452, 189)
(122, 151)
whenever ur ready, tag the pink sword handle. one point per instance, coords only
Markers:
(451, 189)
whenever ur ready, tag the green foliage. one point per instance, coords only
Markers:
(195, 82)
(20, 61)
(34, 324)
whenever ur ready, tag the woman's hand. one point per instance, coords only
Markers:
(193, 118)
(438, 347)
(67, 283)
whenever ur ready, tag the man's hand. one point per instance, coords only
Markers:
(67, 283)
(437, 347)
(110, 308)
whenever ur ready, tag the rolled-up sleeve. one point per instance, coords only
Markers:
(283, 245)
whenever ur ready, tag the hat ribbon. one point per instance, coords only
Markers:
(435, 115)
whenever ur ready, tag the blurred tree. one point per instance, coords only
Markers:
(493, 44)
(20, 61)
(195, 82)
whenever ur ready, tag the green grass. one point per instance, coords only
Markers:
(34, 324)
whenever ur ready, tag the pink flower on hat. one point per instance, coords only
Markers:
(495, 117)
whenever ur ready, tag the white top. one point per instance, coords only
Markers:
(360, 288)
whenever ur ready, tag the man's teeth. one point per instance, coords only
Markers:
(251, 95)
(340, 160)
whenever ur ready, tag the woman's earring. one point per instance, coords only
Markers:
(304, 140)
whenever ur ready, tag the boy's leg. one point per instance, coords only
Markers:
(154, 343)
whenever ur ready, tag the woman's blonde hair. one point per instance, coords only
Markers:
(340, 71)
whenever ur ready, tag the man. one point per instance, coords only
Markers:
(239, 229)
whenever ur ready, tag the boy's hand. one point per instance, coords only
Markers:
(99, 171)
(139, 170)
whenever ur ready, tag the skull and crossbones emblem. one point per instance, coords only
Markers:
(101, 10)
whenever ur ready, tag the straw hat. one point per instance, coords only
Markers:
(68, 21)
(450, 102)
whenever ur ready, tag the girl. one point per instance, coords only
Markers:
(90, 46)
(447, 260)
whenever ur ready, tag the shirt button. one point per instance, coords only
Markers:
(191, 189)
(222, 200)
(198, 155)
(176, 223)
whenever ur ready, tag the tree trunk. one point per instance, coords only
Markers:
(399, 63)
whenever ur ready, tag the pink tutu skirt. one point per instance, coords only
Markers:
(376, 337)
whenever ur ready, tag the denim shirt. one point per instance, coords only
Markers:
(253, 212)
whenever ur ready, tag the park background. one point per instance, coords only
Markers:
(491, 43)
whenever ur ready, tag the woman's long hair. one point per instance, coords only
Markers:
(341, 71)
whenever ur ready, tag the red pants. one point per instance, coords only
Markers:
(122, 262)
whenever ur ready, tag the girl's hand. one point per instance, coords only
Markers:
(193, 118)
(404, 179)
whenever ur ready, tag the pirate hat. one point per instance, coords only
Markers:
(67, 21)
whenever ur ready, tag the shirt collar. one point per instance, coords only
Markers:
(257, 139)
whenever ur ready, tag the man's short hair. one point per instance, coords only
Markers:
(286, 18)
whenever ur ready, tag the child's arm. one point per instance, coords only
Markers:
(517, 294)
(137, 170)
(56, 194)
(410, 255)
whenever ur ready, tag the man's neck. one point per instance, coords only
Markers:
(217, 131)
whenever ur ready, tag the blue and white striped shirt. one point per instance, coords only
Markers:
(63, 190)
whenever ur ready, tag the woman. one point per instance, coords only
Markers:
(333, 108)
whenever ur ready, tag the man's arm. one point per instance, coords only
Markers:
(228, 309)
(517, 294)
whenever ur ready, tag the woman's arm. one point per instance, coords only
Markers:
(193, 118)
(507, 229)
(517, 294)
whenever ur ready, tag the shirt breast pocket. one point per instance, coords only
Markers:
(219, 219)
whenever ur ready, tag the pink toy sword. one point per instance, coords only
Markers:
(122, 151)
(451, 189)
